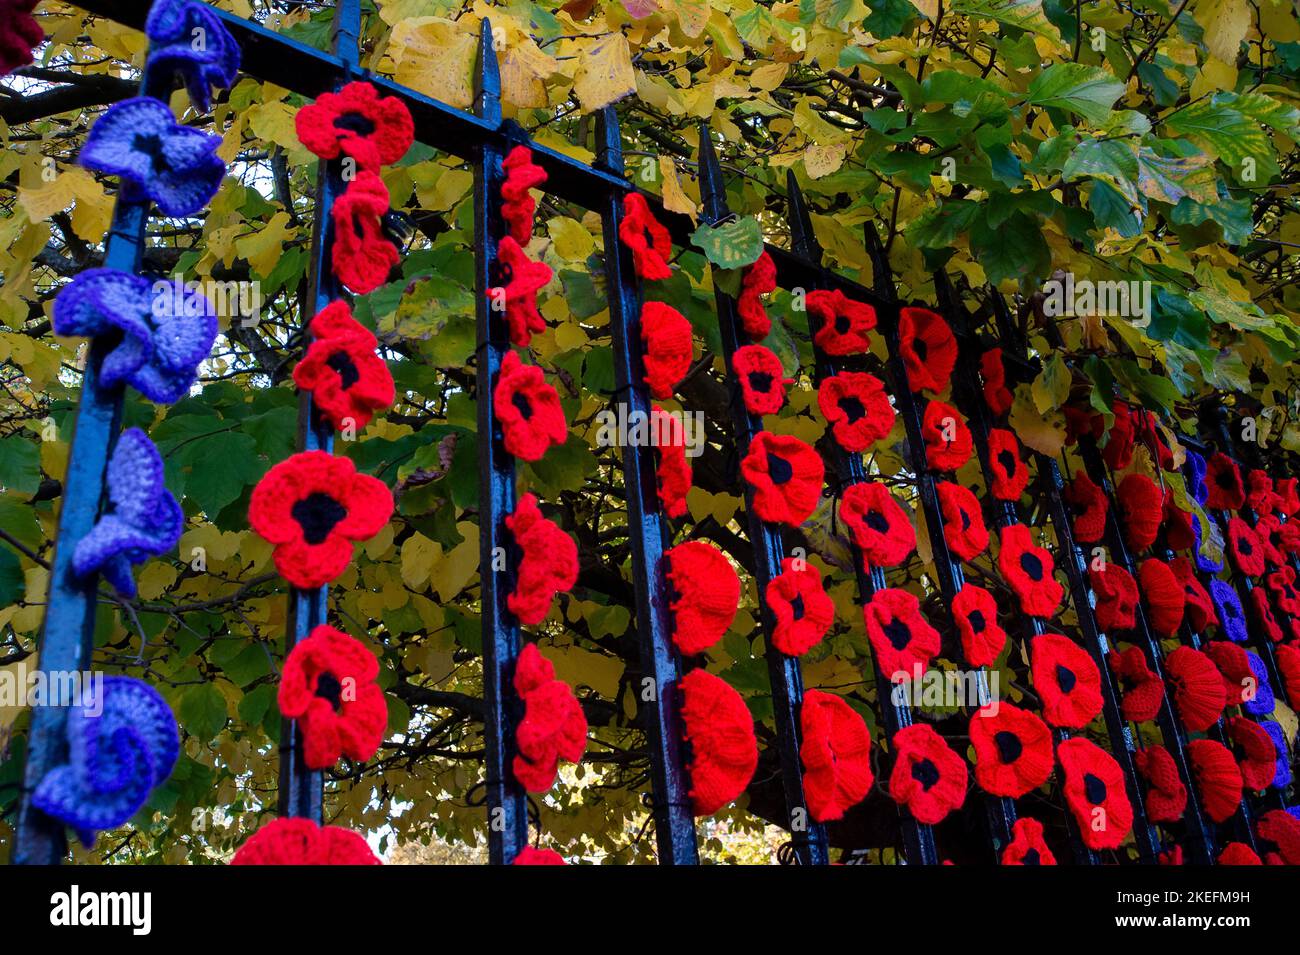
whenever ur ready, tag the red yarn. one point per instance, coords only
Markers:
(1141, 505)
(836, 754)
(1264, 615)
(1244, 547)
(1170, 855)
(1066, 679)
(531, 856)
(785, 475)
(517, 203)
(362, 255)
(1260, 496)
(1196, 688)
(996, 393)
(802, 610)
(1282, 584)
(1239, 684)
(521, 279)
(347, 380)
(900, 637)
(1199, 606)
(1238, 853)
(549, 564)
(880, 527)
(296, 841)
(1164, 595)
(707, 593)
(1288, 667)
(1218, 780)
(928, 347)
(857, 408)
(1179, 532)
(841, 324)
(1256, 755)
(1274, 541)
(1144, 691)
(553, 726)
(963, 522)
(1223, 481)
(759, 279)
(1028, 569)
(1094, 791)
(328, 686)
(720, 731)
(947, 439)
(20, 34)
(1117, 597)
(651, 246)
(666, 334)
(976, 616)
(1090, 505)
(1010, 474)
(928, 777)
(1082, 421)
(1283, 830)
(1288, 495)
(673, 474)
(1118, 452)
(1027, 846)
(1013, 750)
(528, 410)
(356, 121)
(312, 506)
(1166, 796)
(762, 379)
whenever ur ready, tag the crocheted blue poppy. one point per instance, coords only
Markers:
(190, 40)
(1282, 779)
(1263, 702)
(156, 157)
(142, 519)
(165, 329)
(122, 742)
(1195, 468)
(1228, 607)
(1203, 563)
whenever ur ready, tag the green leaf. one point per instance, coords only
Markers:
(1112, 161)
(12, 580)
(1224, 133)
(1022, 14)
(1170, 178)
(221, 466)
(1088, 91)
(1052, 386)
(733, 244)
(256, 703)
(19, 519)
(20, 464)
(203, 711)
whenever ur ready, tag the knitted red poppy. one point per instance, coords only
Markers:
(1288, 495)
(1238, 853)
(1260, 496)
(1118, 452)
(976, 615)
(347, 380)
(673, 472)
(1082, 421)
(786, 476)
(1117, 597)
(518, 280)
(1282, 829)
(841, 324)
(553, 726)
(1066, 679)
(1282, 584)
(517, 203)
(1180, 534)
(802, 610)
(857, 408)
(362, 255)
(19, 35)
(1164, 596)
(1094, 791)
(1218, 780)
(1199, 606)
(529, 855)
(312, 506)
(1288, 667)
(1090, 506)
(720, 731)
(1223, 481)
(328, 686)
(1233, 664)
(549, 564)
(666, 334)
(996, 393)
(900, 636)
(947, 439)
(1027, 846)
(1028, 569)
(1276, 539)
(1196, 688)
(879, 525)
(963, 522)
(1009, 473)
(1247, 555)
(1166, 796)
(1143, 690)
(1013, 750)
(356, 121)
(762, 379)
(1256, 754)
(651, 246)
(295, 841)
(760, 278)
(836, 754)
(1141, 505)
(928, 347)
(1264, 618)
(528, 409)
(928, 777)
(706, 595)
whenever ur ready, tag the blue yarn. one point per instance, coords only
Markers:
(172, 25)
(164, 335)
(1196, 470)
(1232, 619)
(1263, 702)
(122, 743)
(140, 141)
(143, 519)
(1282, 779)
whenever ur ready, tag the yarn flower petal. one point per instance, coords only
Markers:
(836, 754)
(1141, 506)
(928, 347)
(188, 39)
(1090, 506)
(997, 395)
(720, 730)
(1243, 545)
(19, 34)
(800, 607)
(1223, 484)
(1217, 776)
(1117, 597)
(1164, 596)
(1067, 681)
(1013, 750)
(672, 471)
(356, 121)
(1166, 796)
(976, 615)
(1198, 605)
(706, 594)
(1196, 688)
(759, 279)
(1028, 569)
(878, 524)
(948, 441)
(963, 521)
(347, 380)
(785, 475)
(1256, 754)
(553, 727)
(362, 255)
(1010, 474)
(295, 841)
(548, 565)
(857, 408)
(641, 232)
(1027, 846)
(901, 639)
(762, 379)
(522, 175)
(1094, 791)
(666, 334)
(928, 777)
(1144, 691)
(518, 280)
(840, 325)
(528, 409)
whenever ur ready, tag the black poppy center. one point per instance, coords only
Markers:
(152, 146)
(1008, 462)
(1009, 746)
(342, 363)
(898, 633)
(976, 620)
(1031, 857)
(965, 520)
(1094, 788)
(1032, 566)
(1224, 480)
(1243, 545)
(316, 514)
(649, 237)
(796, 607)
(842, 324)
(760, 381)
(354, 123)
(852, 406)
(876, 521)
(1065, 678)
(520, 401)
(778, 469)
(330, 689)
(925, 773)
(921, 348)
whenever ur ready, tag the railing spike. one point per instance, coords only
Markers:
(487, 77)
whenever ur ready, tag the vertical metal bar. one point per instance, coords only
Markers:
(807, 836)
(918, 838)
(506, 802)
(674, 821)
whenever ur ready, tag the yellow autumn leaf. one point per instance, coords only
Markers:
(572, 241)
(454, 570)
(92, 212)
(1225, 23)
(605, 72)
(418, 556)
(675, 198)
(263, 248)
(436, 57)
(819, 161)
(41, 202)
(524, 70)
